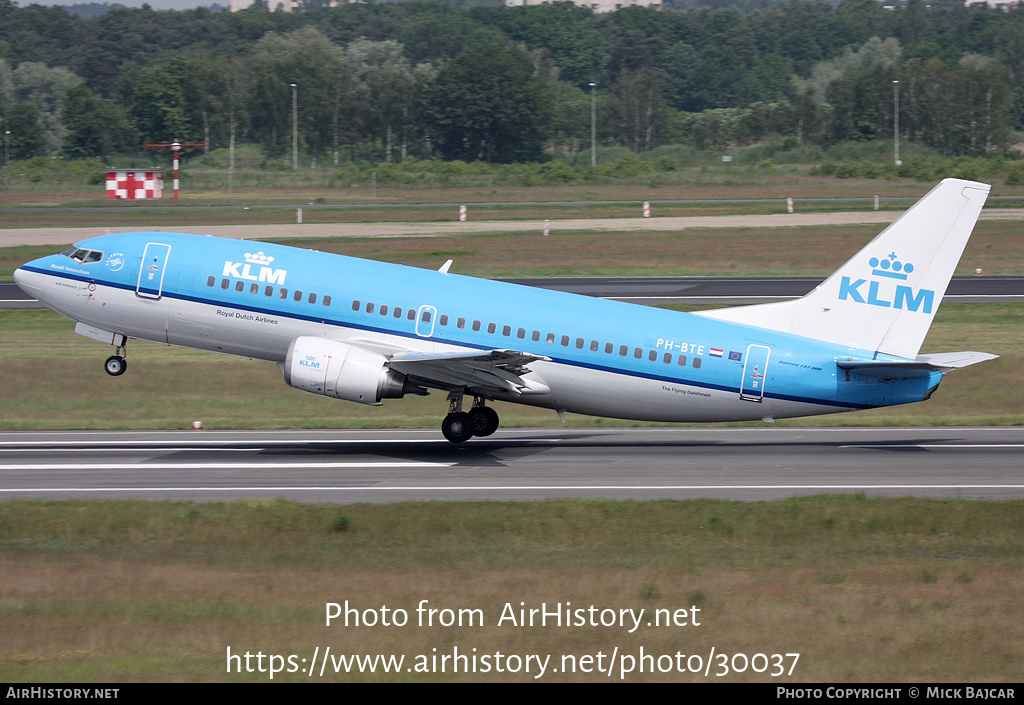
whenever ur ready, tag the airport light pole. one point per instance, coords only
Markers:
(7, 143)
(896, 122)
(295, 125)
(593, 124)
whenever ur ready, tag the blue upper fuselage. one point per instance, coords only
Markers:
(264, 279)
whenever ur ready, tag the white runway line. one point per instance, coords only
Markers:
(217, 466)
(507, 488)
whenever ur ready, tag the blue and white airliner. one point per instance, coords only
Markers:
(365, 331)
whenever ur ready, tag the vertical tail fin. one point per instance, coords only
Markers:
(884, 298)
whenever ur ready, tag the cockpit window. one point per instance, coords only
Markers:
(82, 256)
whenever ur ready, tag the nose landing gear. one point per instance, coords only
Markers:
(116, 364)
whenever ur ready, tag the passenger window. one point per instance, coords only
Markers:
(269, 291)
(284, 294)
(638, 353)
(369, 307)
(536, 336)
(398, 312)
(491, 327)
(668, 358)
(327, 300)
(297, 296)
(521, 333)
(443, 319)
(224, 284)
(696, 363)
(461, 323)
(355, 304)
(239, 285)
(476, 325)
(682, 360)
(210, 281)
(565, 341)
(412, 314)
(653, 355)
(608, 347)
(312, 298)
(551, 339)
(425, 318)
(506, 331)
(254, 288)
(579, 343)
(623, 350)
(384, 310)
(594, 345)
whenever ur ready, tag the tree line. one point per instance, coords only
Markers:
(508, 84)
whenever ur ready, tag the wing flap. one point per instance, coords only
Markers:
(478, 372)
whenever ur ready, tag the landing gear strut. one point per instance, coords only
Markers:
(459, 426)
(116, 364)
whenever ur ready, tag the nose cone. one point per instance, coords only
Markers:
(23, 278)
(30, 279)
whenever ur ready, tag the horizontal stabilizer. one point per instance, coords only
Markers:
(956, 360)
(921, 367)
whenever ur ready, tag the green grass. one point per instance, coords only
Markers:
(893, 590)
(420, 534)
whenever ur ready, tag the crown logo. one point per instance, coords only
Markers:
(890, 267)
(258, 258)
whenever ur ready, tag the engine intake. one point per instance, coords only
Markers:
(333, 369)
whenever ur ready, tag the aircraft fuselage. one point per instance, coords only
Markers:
(596, 357)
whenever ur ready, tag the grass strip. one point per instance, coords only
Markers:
(864, 589)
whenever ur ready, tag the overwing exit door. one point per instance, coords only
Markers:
(425, 321)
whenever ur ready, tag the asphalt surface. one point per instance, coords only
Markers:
(344, 466)
(62, 237)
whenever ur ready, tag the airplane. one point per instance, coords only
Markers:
(366, 331)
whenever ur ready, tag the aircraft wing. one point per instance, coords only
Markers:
(484, 372)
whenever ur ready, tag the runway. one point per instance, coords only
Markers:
(348, 466)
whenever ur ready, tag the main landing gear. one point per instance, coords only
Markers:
(116, 364)
(459, 426)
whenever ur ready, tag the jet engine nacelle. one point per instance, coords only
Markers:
(333, 369)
